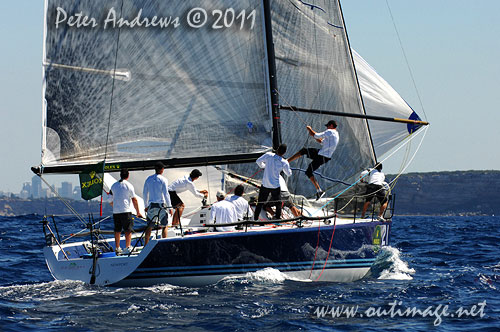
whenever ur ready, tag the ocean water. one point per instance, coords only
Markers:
(433, 262)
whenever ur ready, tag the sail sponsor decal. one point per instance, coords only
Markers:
(377, 236)
(91, 181)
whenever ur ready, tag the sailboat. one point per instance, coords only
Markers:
(217, 87)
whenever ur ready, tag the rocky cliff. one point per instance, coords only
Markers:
(441, 193)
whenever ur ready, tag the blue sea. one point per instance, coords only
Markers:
(440, 273)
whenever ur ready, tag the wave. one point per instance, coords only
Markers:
(389, 265)
(267, 275)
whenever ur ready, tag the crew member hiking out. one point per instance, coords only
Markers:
(329, 140)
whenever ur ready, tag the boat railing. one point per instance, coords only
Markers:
(351, 206)
(297, 220)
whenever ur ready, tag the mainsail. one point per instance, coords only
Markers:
(135, 94)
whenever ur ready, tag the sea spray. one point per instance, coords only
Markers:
(389, 265)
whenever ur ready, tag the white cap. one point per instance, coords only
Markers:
(220, 193)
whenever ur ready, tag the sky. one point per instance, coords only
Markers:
(451, 46)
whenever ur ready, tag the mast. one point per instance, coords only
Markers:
(273, 83)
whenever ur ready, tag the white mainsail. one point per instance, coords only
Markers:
(189, 93)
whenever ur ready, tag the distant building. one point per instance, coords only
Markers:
(77, 192)
(26, 191)
(45, 193)
(66, 190)
(36, 187)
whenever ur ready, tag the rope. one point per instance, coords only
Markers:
(315, 252)
(291, 108)
(329, 248)
(83, 230)
(409, 139)
(60, 247)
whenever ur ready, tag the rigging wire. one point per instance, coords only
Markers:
(406, 59)
(65, 202)
(409, 139)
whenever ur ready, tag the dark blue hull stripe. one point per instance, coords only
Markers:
(359, 260)
(244, 268)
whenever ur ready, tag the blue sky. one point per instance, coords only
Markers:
(451, 45)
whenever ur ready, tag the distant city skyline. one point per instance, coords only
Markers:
(35, 190)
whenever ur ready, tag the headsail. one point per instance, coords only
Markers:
(380, 99)
(134, 94)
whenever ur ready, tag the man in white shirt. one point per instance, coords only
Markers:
(241, 204)
(376, 188)
(223, 212)
(273, 164)
(329, 140)
(123, 194)
(180, 185)
(157, 199)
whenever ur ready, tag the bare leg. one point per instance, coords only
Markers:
(128, 238)
(117, 239)
(177, 215)
(294, 157)
(382, 209)
(316, 184)
(164, 232)
(147, 235)
(365, 207)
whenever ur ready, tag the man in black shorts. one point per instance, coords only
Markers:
(329, 140)
(180, 185)
(375, 188)
(123, 198)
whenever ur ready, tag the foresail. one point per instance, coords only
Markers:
(380, 99)
(153, 92)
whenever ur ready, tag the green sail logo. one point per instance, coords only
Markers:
(91, 181)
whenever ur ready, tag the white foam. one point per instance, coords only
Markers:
(267, 274)
(163, 288)
(53, 290)
(398, 269)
